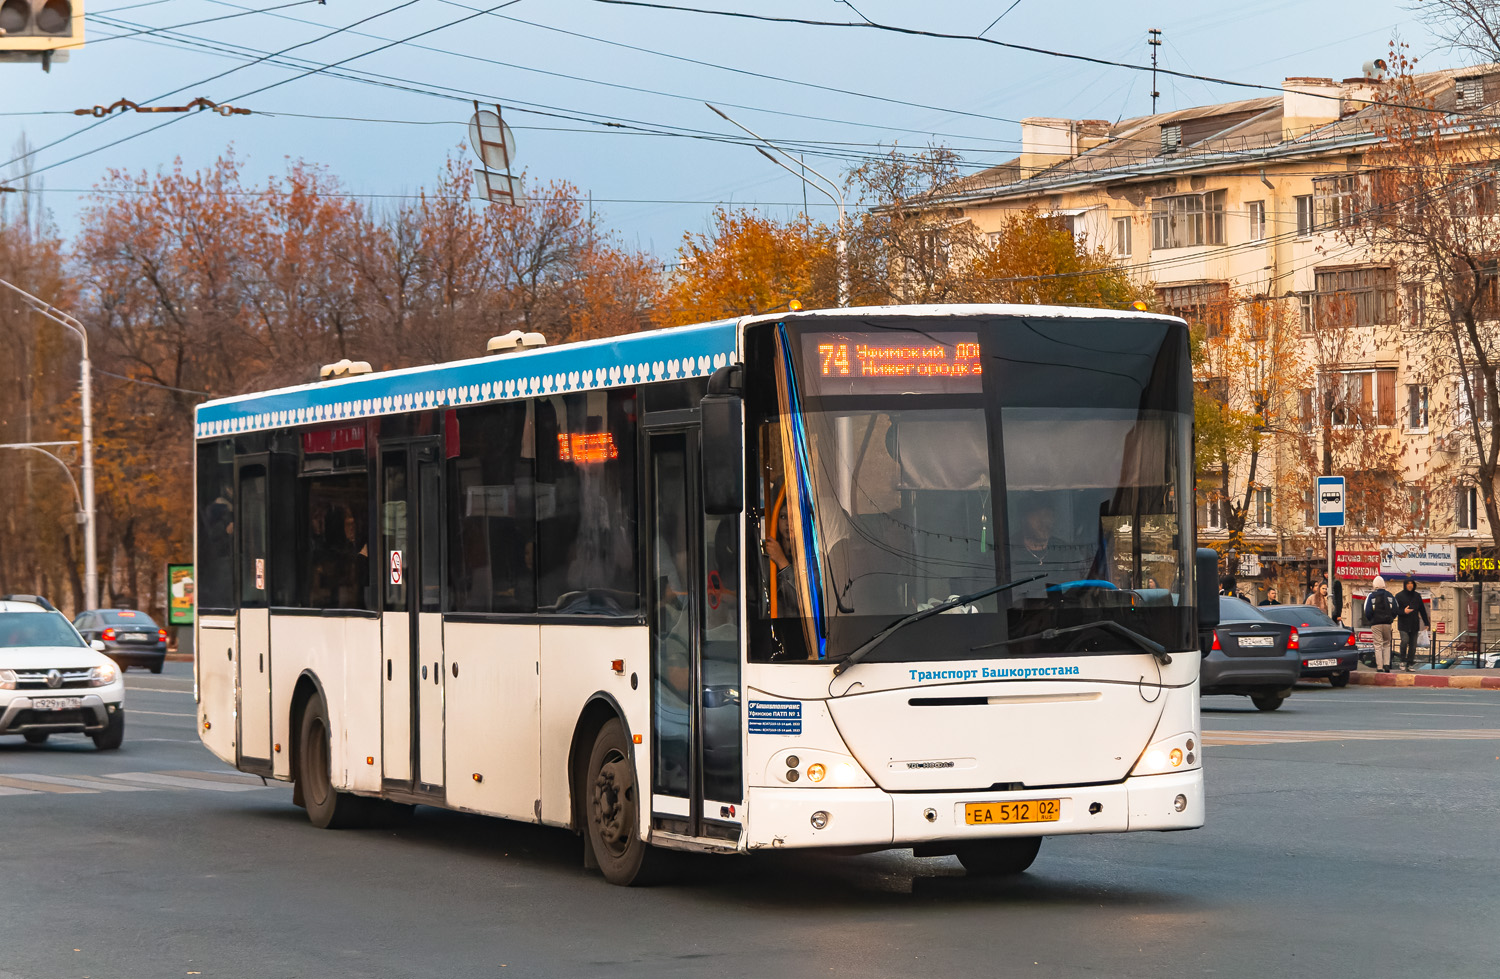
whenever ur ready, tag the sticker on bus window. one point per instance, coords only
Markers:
(395, 567)
(775, 717)
(260, 574)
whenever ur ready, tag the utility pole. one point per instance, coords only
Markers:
(827, 188)
(86, 393)
(1155, 41)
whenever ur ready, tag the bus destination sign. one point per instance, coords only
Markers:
(891, 362)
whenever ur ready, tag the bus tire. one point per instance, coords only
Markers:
(998, 858)
(327, 808)
(612, 810)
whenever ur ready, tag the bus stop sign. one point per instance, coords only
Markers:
(1330, 501)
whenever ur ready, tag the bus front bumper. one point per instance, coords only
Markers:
(787, 817)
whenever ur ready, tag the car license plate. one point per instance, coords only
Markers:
(1257, 641)
(133, 636)
(1030, 811)
(53, 703)
(1322, 662)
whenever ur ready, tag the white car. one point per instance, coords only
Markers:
(51, 681)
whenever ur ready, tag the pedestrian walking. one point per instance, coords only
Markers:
(1270, 597)
(1411, 618)
(1380, 612)
(1318, 599)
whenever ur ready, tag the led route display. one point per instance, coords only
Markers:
(891, 362)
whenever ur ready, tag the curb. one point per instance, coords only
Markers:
(179, 657)
(1372, 679)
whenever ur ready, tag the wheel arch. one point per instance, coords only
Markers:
(597, 711)
(308, 685)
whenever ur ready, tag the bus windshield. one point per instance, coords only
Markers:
(943, 456)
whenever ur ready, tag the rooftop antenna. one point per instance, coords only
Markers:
(1155, 41)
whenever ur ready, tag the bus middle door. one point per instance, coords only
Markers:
(412, 621)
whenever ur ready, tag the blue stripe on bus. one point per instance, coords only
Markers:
(656, 355)
(804, 493)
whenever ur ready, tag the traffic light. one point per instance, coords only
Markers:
(40, 30)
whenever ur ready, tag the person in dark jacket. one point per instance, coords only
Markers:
(1380, 612)
(1411, 618)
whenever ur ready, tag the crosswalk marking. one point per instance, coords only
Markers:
(35, 784)
(1228, 738)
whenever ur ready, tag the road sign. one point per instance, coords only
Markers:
(1330, 501)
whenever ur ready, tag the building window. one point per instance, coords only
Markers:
(1416, 406)
(1363, 398)
(1356, 297)
(1257, 210)
(1480, 401)
(1335, 202)
(1187, 220)
(1307, 416)
(1415, 305)
(1122, 237)
(1171, 138)
(1466, 508)
(1205, 303)
(1264, 511)
(1307, 310)
(1304, 215)
(1210, 508)
(1416, 498)
(1468, 93)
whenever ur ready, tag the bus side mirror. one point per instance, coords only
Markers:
(723, 421)
(1206, 571)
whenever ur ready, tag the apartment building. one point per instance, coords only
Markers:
(1244, 204)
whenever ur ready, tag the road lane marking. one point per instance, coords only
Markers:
(1237, 738)
(160, 713)
(157, 690)
(35, 784)
(22, 782)
(178, 782)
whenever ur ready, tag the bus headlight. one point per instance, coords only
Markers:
(1175, 754)
(807, 769)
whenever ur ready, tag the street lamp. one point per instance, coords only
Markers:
(831, 191)
(86, 391)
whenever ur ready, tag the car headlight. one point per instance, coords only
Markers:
(101, 676)
(7, 679)
(1179, 753)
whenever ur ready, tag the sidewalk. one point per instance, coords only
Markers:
(1461, 679)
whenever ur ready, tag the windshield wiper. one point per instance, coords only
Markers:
(869, 645)
(1108, 625)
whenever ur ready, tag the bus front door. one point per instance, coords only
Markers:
(695, 649)
(411, 618)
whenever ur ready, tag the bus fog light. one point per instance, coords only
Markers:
(1179, 803)
(930, 815)
(819, 819)
(816, 772)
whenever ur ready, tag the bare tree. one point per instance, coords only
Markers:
(1472, 26)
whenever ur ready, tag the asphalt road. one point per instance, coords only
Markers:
(1352, 833)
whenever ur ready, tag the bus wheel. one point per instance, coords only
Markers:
(613, 810)
(998, 858)
(327, 808)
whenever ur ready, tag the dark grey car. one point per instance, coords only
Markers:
(1248, 655)
(1325, 648)
(130, 636)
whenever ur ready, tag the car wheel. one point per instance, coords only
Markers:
(1339, 679)
(613, 812)
(113, 736)
(999, 858)
(327, 808)
(156, 667)
(37, 737)
(1266, 701)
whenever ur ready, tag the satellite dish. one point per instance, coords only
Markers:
(491, 139)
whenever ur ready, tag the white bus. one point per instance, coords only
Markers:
(866, 578)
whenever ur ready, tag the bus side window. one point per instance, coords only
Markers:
(779, 603)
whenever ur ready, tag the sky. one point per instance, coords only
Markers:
(560, 69)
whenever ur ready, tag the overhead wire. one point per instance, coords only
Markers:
(205, 20)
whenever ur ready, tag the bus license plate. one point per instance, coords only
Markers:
(1030, 811)
(1323, 662)
(53, 703)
